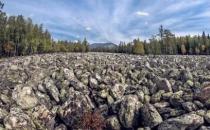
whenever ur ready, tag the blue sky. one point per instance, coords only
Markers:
(114, 20)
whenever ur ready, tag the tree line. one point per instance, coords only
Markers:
(20, 36)
(166, 43)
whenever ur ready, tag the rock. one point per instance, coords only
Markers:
(68, 74)
(187, 121)
(189, 106)
(42, 117)
(3, 114)
(165, 85)
(157, 97)
(117, 91)
(113, 123)
(93, 83)
(61, 127)
(5, 99)
(150, 116)
(103, 93)
(18, 120)
(129, 111)
(186, 75)
(140, 95)
(203, 94)
(207, 117)
(176, 99)
(52, 89)
(24, 96)
(73, 108)
(204, 128)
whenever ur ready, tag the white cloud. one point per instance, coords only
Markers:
(141, 13)
(88, 28)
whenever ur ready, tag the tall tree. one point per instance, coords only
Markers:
(138, 47)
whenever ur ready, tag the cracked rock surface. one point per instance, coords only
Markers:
(50, 91)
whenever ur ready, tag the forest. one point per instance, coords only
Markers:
(20, 36)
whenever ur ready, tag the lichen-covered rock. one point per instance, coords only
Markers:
(3, 114)
(129, 111)
(207, 117)
(24, 96)
(73, 108)
(117, 91)
(165, 85)
(187, 121)
(150, 116)
(18, 120)
(113, 123)
(52, 89)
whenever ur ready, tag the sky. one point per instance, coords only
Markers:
(114, 20)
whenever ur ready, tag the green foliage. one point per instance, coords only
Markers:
(138, 47)
(19, 36)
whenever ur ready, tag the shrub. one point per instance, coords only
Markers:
(91, 120)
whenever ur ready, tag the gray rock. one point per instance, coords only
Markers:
(189, 106)
(129, 111)
(117, 91)
(165, 85)
(73, 108)
(18, 120)
(150, 116)
(93, 82)
(52, 89)
(207, 117)
(3, 114)
(24, 96)
(187, 121)
(113, 123)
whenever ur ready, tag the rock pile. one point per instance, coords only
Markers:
(52, 91)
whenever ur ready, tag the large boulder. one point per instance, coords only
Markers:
(117, 91)
(188, 121)
(129, 111)
(150, 116)
(52, 89)
(24, 96)
(113, 123)
(75, 106)
(18, 120)
(165, 85)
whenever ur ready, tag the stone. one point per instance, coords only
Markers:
(52, 89)
(3, 114)
(117, 91)
(18, 120)
(165, 85)
(207, 117)
(76, 104)
(187, 121)
(113, 123)
(129, 111)
(189, 106)
(24, 96)
(93, 83)
(150, 116)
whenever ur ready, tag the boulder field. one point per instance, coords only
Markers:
(128, 92)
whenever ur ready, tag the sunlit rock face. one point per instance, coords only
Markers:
(54, 91)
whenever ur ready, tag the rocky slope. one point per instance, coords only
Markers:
(52, 91)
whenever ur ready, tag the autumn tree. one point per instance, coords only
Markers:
(138, 47)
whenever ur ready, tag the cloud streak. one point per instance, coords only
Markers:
(114, 20)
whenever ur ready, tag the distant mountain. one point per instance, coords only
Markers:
(102, 45)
